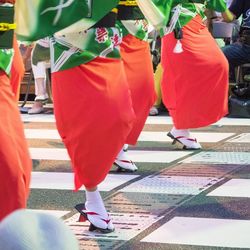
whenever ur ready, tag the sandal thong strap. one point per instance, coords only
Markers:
(186, 138)
(84, 215)
(125, 161)
(131, 167)
(178, 139)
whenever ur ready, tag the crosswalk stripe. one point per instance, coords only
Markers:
(203, 232)
(56, 213)
(64, 181)
(219, 158)
(160, 120)
(51, 134)
(135, 155)
(144, 136)
(38, 118)
(200, 136)
(233, 188)
(242, 138)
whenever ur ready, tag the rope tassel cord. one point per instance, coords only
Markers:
(178, 35)
(178, 47)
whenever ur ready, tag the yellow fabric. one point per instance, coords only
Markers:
(157, 79)
(7, 26)
(128, 3)
(115, 10)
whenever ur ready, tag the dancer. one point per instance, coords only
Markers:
(195, 77)
(136, 57)
(92, 102)
(14, 157)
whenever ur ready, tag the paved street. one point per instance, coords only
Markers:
(178, 199)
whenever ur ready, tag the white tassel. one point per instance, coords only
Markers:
(178, 47)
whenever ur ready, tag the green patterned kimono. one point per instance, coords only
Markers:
(177, 13)
(69, 22)
(137, 28)
(134, 24)
(6, 53)
(6, 56)
(73, 49)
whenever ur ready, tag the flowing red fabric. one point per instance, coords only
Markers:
(94, 115)
(195, 82)
(139, 72)
(15, 163)
(17, 71)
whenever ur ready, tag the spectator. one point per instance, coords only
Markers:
(238, 53)
(40, 59)
(154, 110)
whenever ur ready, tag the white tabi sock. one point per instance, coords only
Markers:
(94, 203)
(180, 132)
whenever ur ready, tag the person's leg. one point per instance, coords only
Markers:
(138, 67)
(157, 80)
(195, 82)
(15, 163)
(123, 161)
(39, 72)
(96, 212)
(236, 55)
(94, 115)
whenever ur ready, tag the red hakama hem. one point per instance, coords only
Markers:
(15, 163)
(94, 115)
(195, 82)
(17, 71)
(137, 62)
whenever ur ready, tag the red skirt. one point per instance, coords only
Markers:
(139, 72)
(17, 71)
(15, 163)
(94, 116)
(195, 82)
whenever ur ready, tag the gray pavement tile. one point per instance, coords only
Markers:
(234, 147)
(143, 203)
(215, 207)
(208, 170)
